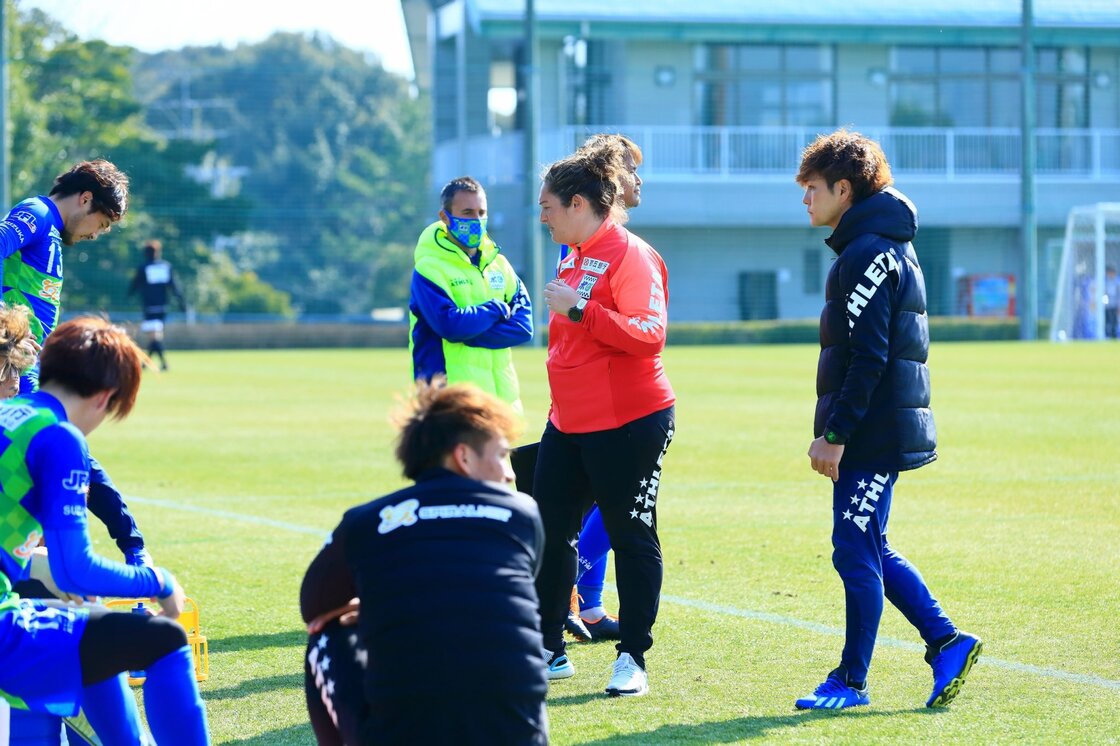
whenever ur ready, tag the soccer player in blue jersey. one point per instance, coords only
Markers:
(84, 202)
(54, 657)
(873, 418)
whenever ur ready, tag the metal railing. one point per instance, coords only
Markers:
(749, 152)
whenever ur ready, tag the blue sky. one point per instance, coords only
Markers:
(154, 25)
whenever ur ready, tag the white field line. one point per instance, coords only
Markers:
(706, 606)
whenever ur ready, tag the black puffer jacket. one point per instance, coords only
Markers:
(872, 379)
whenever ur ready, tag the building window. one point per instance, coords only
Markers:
(980, 87)
(501, 97)
(811, 266)
(758, 84)
(587, 81)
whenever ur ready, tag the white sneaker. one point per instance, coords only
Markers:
(628, 678)
(558, 666)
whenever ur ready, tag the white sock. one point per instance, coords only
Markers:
(592, 614)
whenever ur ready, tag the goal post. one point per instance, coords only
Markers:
(1092, 244)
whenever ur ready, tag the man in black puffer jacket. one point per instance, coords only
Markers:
(873, 418)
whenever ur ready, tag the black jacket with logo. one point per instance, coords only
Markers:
(873, 385)
(444, 570)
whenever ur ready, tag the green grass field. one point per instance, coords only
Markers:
(238, 463)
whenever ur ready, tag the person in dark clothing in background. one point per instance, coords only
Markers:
(388, 657)
(155, 281)
(873, 418)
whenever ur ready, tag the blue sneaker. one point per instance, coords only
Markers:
(557, 665)
(834, 694)
(951, 665)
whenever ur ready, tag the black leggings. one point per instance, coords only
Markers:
(621, 470)
(114, 641)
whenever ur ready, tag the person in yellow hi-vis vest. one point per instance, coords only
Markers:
(467, 307)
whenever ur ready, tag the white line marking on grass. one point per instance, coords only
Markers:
(824, 629)
(758, 616)
(244, 518)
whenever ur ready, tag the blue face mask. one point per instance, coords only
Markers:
(467, 231)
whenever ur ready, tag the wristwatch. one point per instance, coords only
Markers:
(833, 437)
(575, 313)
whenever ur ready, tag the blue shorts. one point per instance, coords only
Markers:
(40, 668)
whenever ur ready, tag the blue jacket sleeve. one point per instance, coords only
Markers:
(869, 281)
(516, 330)
(107, 504)
(449, 321)
(59, 468)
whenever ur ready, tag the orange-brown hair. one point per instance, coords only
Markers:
(594, 174)
(846, 155)
(437, 418)
(620, 143)
(106, 182)
(15, 329)
(89, 355)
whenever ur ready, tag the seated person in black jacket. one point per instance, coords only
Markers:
(388, 658)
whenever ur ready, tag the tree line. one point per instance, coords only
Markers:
(286, 177)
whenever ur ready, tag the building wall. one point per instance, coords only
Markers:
(860, 102)
(645, 100)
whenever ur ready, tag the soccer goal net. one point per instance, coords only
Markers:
(1090, 258)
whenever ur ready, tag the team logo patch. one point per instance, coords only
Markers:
(395, 516)
(497, 280)
(597, 266)
(51, 290)
(585, 285)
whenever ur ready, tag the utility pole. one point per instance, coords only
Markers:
(529, 99)
(1028, 287)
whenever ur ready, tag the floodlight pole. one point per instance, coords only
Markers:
(530, 96)
(1028, 287)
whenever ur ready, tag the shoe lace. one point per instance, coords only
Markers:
(624, 665)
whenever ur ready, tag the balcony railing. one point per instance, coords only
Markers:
(752, 152)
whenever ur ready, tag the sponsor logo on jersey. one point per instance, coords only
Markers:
(492, 512)
(78, 481)
(13, 417)
(158, 273)
(585, 285)
(459, 282)
(497, 280)
(881, 266)
(74, 510)
(568, 261)
(594, 265)
(395, 516)
(51, 290)
(26, 218)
